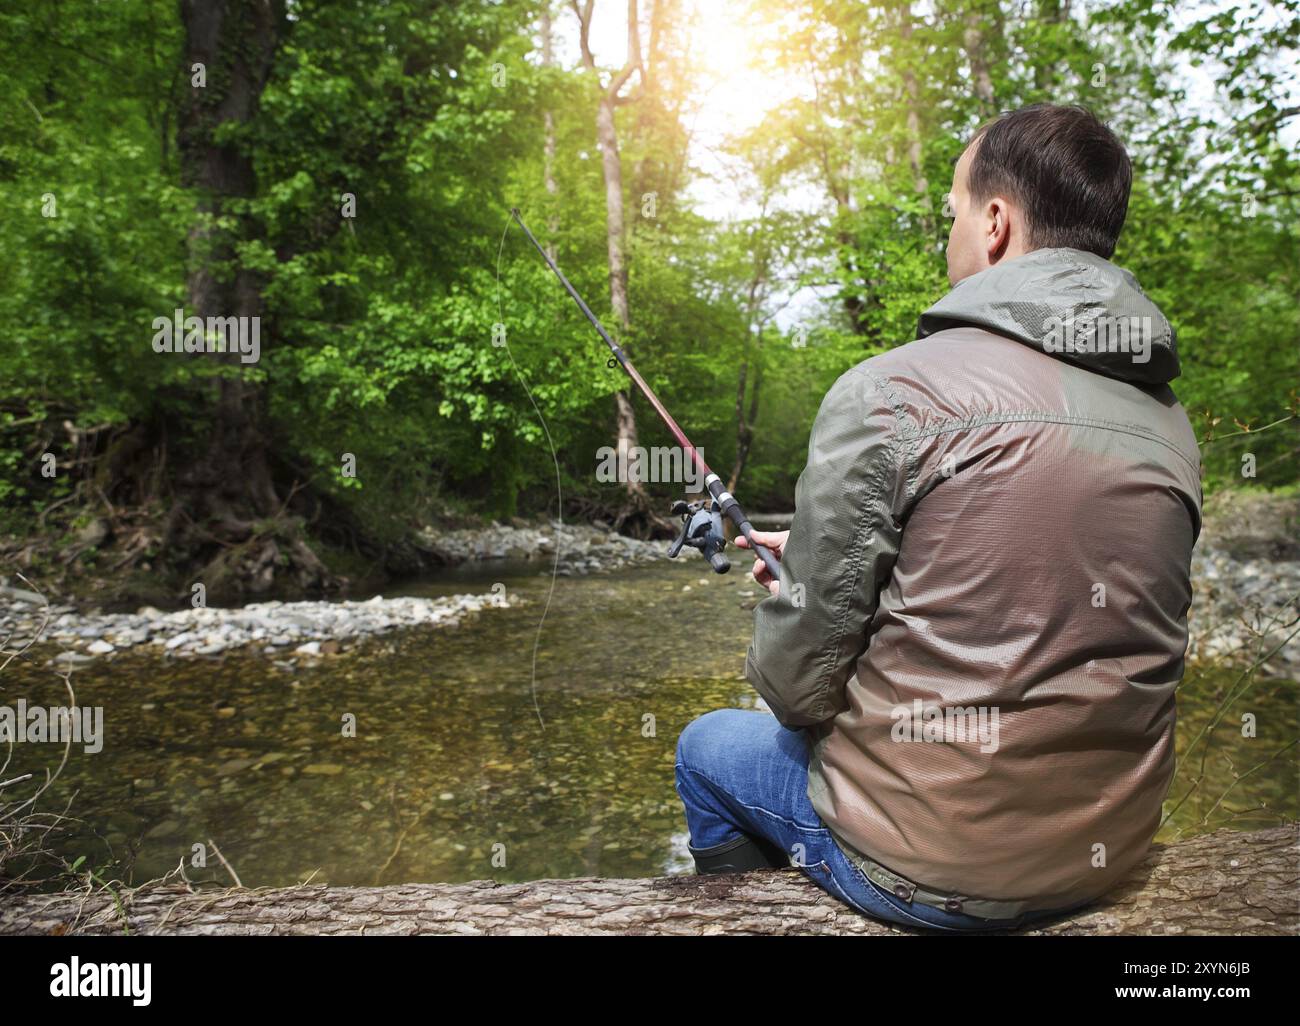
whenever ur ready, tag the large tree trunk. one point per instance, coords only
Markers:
(235, 42)
(227, 488)
(614, 237)
(1224, 883)
(612, 165)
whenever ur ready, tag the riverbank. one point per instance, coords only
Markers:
(583, 548)
(277, 629)
(1246, 582)
(316, 628)
(1245, 576)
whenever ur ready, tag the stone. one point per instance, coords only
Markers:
(233, 766)
(323, 769)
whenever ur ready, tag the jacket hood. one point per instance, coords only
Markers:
(1072, 305)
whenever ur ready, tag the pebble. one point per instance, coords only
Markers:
(298, 628)
(583, 548)
(324, 769)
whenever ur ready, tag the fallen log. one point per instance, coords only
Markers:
(1228, 883)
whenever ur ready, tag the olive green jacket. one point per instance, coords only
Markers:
(983, 608)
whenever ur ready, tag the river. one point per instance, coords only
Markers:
(450, 775)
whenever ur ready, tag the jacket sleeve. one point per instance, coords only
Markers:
(842, 545)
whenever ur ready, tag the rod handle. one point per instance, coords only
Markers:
(762, 551)
(732, 510)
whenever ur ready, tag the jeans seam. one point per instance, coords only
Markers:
(744, 805)
(842, 895)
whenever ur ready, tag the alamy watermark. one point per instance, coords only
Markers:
(660, 464)
(1104, 334)
(181, 334)
(74, 978)
(933, 724)
(82, 724)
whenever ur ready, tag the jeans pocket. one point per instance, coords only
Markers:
(823, 876)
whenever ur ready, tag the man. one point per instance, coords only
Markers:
(982, 617)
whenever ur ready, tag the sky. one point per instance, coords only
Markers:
(737, 90)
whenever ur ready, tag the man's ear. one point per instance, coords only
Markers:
(997, 228)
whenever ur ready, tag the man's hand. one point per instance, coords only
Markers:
(775, 542)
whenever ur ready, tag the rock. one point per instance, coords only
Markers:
(30, 598)
(69, 659)
(175, 642)
(233, 766)
(100, 648)
(93, 534)
(323, 769)
(310, 648)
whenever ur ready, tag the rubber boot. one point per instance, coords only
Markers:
(738, 856)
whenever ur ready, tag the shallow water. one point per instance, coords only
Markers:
(451, 776)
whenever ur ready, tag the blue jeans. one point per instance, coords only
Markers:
(740, 772)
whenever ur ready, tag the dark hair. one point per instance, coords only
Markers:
(1067, 171)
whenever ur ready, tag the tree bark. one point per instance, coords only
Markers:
(235, 42)
(1227, 883)
(612, 166)
(226, 486)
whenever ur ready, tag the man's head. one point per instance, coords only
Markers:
(1043, 176)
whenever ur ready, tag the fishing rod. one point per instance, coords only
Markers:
(701, 521)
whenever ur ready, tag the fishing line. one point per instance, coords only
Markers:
(559, 497)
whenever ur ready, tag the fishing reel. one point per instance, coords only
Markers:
(701, 529)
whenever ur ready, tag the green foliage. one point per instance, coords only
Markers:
(378, 334)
